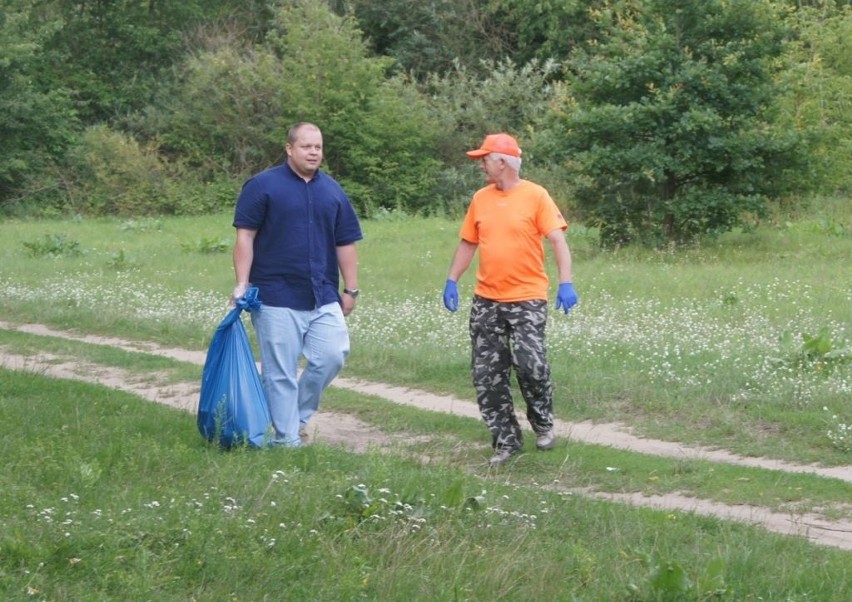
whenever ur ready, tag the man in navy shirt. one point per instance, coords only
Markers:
(296, 234)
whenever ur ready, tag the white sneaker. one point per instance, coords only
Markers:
(545, 440)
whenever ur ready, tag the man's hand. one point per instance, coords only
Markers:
(239, 292)
(451, 295)
(566, 297)
(347, 304)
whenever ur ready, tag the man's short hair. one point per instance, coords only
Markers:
(511, 161)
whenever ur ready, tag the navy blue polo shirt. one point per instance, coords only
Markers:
(299, 226)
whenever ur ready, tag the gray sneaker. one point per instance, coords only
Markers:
(545, 440)
(501, 456)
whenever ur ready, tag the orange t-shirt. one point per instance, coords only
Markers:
(509, 226)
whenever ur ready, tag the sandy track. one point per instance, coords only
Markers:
(341, 429)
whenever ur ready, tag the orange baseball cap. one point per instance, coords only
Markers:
(496, 143)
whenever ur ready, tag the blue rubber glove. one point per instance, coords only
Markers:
(451, 295)
(566, 297)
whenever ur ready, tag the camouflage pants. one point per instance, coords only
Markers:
(505, 336)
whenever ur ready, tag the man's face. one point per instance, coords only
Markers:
(491, 167)
(305, 154)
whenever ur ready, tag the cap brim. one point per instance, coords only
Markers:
(478, 153)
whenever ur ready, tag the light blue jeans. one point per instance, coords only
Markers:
(285, 336)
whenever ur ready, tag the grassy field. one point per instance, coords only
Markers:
(742, 343)
(106, 498)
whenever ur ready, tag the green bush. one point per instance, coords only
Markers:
(189, 195)
(110, 173)
(57, 245)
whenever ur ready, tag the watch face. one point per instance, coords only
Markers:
(352, 293)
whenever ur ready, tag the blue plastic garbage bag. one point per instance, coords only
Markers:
(233, 406)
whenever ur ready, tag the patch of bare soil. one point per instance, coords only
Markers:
(344, 430)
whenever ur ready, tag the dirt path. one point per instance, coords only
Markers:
(341, 429)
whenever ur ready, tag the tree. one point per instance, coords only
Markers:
(818, 91)
(668, 129)
(431, 36)
(379, 136)
(545, 29)
(468, 104)
(235, 103)
(499, 97)
(36, 126)
(115, 55)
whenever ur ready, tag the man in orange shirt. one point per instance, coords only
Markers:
(507, 222)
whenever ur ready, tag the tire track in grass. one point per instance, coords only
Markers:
(357, 436)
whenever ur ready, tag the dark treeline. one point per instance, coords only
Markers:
(656, 121)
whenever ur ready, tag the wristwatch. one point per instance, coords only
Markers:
(352, 292)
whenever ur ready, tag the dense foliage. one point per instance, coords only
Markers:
(36, 124)
(657, 120)
(672, 131)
